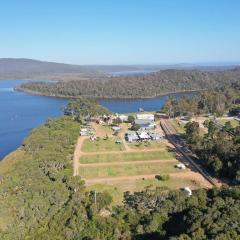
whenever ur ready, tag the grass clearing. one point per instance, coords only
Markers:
(178, 125)
(102, 145)
(234, 122)
(117, 188)
(128, 170)
(130, 156)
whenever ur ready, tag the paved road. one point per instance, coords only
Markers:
(179, 143)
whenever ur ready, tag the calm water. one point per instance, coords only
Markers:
(151, 104)
(21, 112)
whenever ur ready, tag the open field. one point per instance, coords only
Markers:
(102, 145)
(128, 170)
(118, 187)
(127, 156)
(234, 122)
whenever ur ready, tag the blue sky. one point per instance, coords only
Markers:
(121, 31)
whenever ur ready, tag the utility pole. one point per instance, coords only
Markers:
(95, 197)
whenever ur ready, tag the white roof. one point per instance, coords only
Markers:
(145, 116)
(144, 135)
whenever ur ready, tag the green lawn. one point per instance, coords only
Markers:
(102, 145)
(140, 156)
(234, 122)
(128, 170)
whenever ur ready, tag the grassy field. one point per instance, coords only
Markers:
(234, 122)
(148, 145)
(90, 172)
(102, 145)
(117, 188)
(130, 156)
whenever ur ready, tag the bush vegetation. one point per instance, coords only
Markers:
(149, 85)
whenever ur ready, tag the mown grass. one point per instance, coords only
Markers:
(90, 172)
(102, 145)
(132, 156)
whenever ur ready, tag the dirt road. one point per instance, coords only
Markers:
(77, 155)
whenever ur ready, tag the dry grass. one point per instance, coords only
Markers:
(128, 156)
(127, 170)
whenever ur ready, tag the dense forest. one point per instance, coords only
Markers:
(217, 150)
(215, 102)
(149, 85)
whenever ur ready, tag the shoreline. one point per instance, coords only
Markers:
(18, 88)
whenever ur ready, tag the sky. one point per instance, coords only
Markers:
(121, 31)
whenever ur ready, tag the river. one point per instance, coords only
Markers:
(21, 112)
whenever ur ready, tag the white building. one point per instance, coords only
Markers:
(145, 117)
(123, 117)
(116, 128)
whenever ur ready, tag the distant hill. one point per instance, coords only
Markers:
(22, 68)
(11, 68)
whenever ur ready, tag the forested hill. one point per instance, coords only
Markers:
(149, 85)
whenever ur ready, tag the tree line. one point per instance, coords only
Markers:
(214, 102)
(149, 85)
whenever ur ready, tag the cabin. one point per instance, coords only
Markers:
(142, 116)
